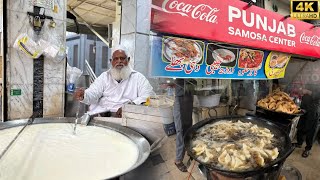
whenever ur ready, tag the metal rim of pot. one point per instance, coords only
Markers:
(285, 150)
(141, 142)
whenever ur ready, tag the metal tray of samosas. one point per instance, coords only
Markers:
(280, 114)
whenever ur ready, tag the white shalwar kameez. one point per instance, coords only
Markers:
(106, 94)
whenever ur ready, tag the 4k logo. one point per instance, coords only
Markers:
(305, 9)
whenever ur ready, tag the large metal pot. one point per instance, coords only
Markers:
(285, 147)
(142, 144)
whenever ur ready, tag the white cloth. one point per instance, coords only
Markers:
(106, 94)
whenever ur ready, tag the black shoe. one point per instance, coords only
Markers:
(297, 145)
(305, 153)
(181, 167)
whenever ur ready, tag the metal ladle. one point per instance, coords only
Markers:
(233, 111)
(76, 120)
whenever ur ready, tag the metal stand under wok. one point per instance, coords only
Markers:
(289, 172)
(270, 174)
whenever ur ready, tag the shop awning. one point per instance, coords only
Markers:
(98, 14)
(234, 22)
(227, 39)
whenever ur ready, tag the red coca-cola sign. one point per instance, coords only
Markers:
(232, 21)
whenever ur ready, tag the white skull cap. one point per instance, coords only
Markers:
(120, 47)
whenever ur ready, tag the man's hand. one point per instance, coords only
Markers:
(131, 102)
(119, 113)
(79, 94)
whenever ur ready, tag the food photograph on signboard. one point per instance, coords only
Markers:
(276, 64)
(250, 59)
(226, 55)
(278, 59)
(187, 50)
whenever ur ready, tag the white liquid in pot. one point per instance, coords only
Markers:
(51, 151)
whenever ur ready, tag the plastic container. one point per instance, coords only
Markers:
(71, 87)
(167, 120)
(209, 101)
(73, 74)
(169, 129)
(85, 119)
(162, 101)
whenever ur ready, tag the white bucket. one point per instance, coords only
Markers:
(167, 115)
(209, 101)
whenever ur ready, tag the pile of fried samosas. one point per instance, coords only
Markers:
(280, 102)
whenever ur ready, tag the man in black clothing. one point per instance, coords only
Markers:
(308, 122)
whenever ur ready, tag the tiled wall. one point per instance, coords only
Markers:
(1, 38)
(302, 71)
(282, 6)
(128, 28)
(20, 67)
(116, 29)
(135, 30)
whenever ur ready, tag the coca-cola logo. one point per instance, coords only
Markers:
(202, 12)
(311, 40)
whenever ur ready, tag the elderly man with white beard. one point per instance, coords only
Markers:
(115, 87)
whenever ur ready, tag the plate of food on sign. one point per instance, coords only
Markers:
(250, 59)
(278, 60)
(178, 48)
(224, 55)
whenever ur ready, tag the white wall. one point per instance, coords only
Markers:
(116, 26)
(135, 29)
(20, 67)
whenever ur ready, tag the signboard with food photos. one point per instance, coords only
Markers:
(190, 58)
(235, 22)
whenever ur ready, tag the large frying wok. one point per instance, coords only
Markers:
(285, 147)
(142, 144)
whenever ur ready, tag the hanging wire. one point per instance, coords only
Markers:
(190, 173)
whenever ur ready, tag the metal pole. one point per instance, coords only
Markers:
(30, 121)
(89, 26)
